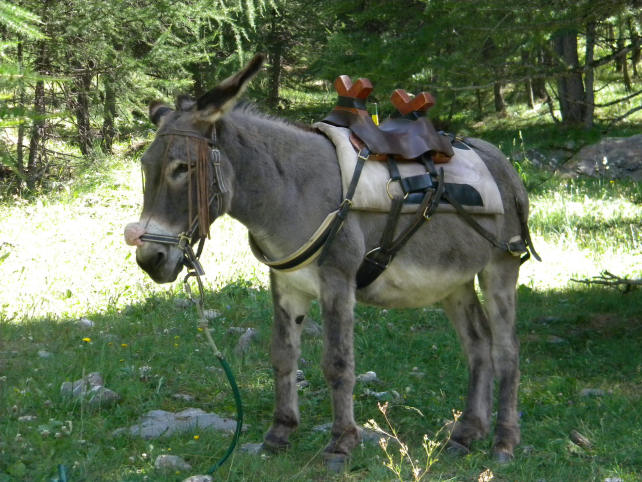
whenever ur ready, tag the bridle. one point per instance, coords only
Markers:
(210, 188)
(208, 160)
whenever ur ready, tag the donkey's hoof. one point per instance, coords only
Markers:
(274, 445)
(457, 449)
(335, 463)
(503, 457)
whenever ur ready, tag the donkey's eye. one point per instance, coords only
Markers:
(180, 169)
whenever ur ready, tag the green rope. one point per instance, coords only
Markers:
(239, 415)
(204, 325)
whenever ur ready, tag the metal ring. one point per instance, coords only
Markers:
(405, 196)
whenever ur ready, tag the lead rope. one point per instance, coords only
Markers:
(194, 271)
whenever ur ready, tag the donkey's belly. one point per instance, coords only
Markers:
(408, 285)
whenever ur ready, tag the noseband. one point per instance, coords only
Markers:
(207, 154)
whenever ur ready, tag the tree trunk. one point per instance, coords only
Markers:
(274, 58)
(34, 161)
(109, 114)
(569, 85)
(83, 84)
(528, 84)
(539, 83)
(635, 50)
(480, 105)
(20, 163)
(500, 105)
(589, 107)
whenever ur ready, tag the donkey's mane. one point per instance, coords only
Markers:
(251, 109)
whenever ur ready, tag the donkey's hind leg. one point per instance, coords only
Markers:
(498, 281)
(290, 308)
(465, 312)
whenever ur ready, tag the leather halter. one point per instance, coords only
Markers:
(198, 224)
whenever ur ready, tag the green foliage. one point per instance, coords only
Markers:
(19, 20)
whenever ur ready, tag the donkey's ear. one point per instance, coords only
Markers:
(157, 111)
(220, 99)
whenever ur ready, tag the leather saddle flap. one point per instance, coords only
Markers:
(405, 138)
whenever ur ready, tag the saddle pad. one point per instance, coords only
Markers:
(465, 167)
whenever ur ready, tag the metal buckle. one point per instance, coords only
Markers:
(390, 181)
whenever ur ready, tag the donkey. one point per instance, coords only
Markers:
(281, 181)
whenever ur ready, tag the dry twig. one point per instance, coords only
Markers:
(606, 278)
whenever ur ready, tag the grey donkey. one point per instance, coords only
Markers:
(281, 182)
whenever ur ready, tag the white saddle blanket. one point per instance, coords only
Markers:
(465, 167)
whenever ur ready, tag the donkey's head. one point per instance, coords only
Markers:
(184, 173)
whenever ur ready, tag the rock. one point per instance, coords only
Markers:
(236, 330)
(302, 384)
(300, 376)
(27, 418)
(371, 436)
(199, 478)
(168, 463)
(392, 395)
(93, 388)
(102, 397)
(367, 377)
(211, 314)
(416, 373)
(612, 158)
(323, 427)
(312, 328)
(592, 392)
(578, 439)
(159, 423)
(85, 323)
(252, 448)
(44, 354)
(245, 341)
(183, 303)
(186, 397)
(613, 479)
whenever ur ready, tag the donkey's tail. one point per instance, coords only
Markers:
(522, 213)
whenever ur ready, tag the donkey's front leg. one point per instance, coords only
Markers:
(337, 304)
(290, 308)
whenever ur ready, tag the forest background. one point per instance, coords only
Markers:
(76, 76)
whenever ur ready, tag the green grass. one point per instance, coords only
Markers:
(62, 258)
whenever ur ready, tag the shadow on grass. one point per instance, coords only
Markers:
(571, 340)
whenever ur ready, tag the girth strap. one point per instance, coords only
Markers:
(378, 259)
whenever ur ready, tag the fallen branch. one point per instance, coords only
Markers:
(607, 278)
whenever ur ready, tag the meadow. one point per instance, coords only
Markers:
(62, 258)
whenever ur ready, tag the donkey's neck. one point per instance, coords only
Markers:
(286, 179)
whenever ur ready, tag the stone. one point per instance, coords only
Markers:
(44, 354)
(199, 478)
(211, 314)
(252, 448)
(93, 388)
(611, 158)
(168, 463)
(245, 341)
(312, 328)
(159, 423)
(27, 418)
(578, 439)
(102, 397)
(183, 302)
(300, 376)
(186, 397)
(367, 377)
(85, 323)
(236, 330)
(592, 392)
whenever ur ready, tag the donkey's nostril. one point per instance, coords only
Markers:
(160, 259)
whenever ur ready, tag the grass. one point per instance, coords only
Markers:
(62, 258)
